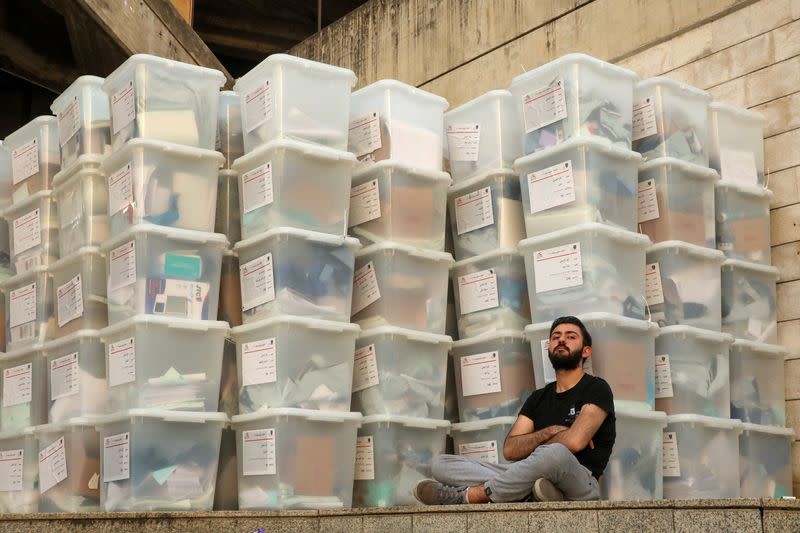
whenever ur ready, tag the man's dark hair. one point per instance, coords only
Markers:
(587, 339)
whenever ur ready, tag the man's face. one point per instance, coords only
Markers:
(566, 349)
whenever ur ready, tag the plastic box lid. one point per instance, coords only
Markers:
(394, 164)
(17, 136)
(490, 336)
(30, 274)
(577, 58)
(772, 350)
(313, 236)
(313, 150)
(617, 234)
(698, 333)
(185, 235)
(747, 190)
(387, 246)
(498, 94)
(601, 145)
(75, 256)
(494, 254)
(162, 414)
(639, 414)
(120, 157)
(480, 425)
(752, 267)
(466, 184)
(673, 84)
(170, 322)
(395, 85)
(408, 421)
(69, 424)
(409, 334)
(76, 85)
(689, 249)
(81, 334)
(179, 67)
(307, 414)
(27, 203)
(720, 423)
(85, 164)
(21, 352)
(309, 323)
(276, 59)
(690, 169)
(621, 322)
(228, 173)
(768, 430)
(21, 433)
(741, 113)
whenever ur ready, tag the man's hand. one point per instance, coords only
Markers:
(580, 434)
(522, 439)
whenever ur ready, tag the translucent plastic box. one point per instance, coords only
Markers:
(765, 461)
(84, 119)
(574, 95)
(491, 293)
(581, 180)
(300, 185)
(82, 199)
(5, 249)
(586, 268)
(230, 290)
(392, 120)
(289, 361)
(226, 493)
(700, 457)
(30, 313)
(634, 468)
(400, 372)
(671, 119)
(18, 450)
(228, 219)
(622, 354)
(156, 270)
(693, 372)
(230, 139)
(390, 201)
(743, 228)
(682, 285)
(486, 213)
(290, 97)
(736, 144)
(33, 232)
(676, 202)
(35, 157)
(397, 285)
(482, 440)
(154, 182)
(749, 301)
(392, 454)
(288, 271)
(69, 466)
(164, 363)
(494, 375)
(757, 383)
(482, 135)
(24, 389)
(3, 315)
(79, 291)
(162, 99)
(6, 177)
(296, 458)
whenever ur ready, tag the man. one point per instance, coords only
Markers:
(560, 442)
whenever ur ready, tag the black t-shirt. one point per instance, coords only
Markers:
(546, 407)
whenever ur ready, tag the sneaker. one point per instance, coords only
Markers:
(545, 491)
(431, 492)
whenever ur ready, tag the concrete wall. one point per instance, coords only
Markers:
(743, 52)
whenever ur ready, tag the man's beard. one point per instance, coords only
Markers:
(563, 361)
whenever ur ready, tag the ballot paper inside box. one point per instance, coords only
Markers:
(392, 455)
(24, 390)
(155, 98)
(700, 457)
(79, 291)
(749, 301)
(35, 157)
(29, 309)
(33, 232)
(294, 184)
(757, 378)
(82, 198)
(228, 219)
(736, 144)
(392, 120)
(634, 470)
(164, 363)
(230, 139)
(84, 119)
(765, 461)
(584, 179)
(19, 472)
(296, 458)
(671, 119)
(482, 440)
(743, 227)
(485, 213)
(571, 96)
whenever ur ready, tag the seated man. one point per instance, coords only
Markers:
(560, 442)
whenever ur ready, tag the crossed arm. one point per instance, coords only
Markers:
(522, 440)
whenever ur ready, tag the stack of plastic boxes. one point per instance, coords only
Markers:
(398, 203)
(295, 434)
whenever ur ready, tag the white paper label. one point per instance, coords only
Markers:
(653, 292)
(23, 305)
(549, 371)
(365, 368)
(120, 190)
(17, 384)
(257, 188)
(648, 201)
(257, 107)
(117, 457)
(364, 134)
(365, 203)
(738, 166)
(123, 266)
(258, 452)
(670, 460)
(756, 327)
(121, 362)
(69, 122)
(365, 459)
(474, 210)
(70, 301)
(544, 106)
(558, 268)
(644, 119)
(123, 107)
(259, 362)
(464, 141)
(12, 464)
(480, 374)
(663, 377)
(478, 291)
(64, 376)
(365, 287)
(551, 187)
(25, 161)
(258, 286)
(52, 465)
(27, 231)
(480, 451)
